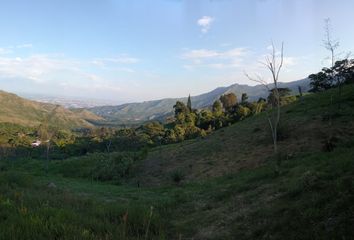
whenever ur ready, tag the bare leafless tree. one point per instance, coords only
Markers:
(274, 63)
(332, 44)
(329, 42)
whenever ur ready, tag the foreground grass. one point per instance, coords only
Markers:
(312, 198)
(31, 210)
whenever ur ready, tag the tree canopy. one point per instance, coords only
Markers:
(228, 100)
(342, 72)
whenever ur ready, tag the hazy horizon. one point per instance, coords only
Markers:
(127, 51)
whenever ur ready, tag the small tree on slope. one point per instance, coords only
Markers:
(274, 64)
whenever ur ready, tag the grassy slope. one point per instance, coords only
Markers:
(247, 144)
(311, 198)
(30, 113)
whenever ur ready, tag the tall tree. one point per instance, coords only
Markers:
(180, 107)
(189, 103)
(320, 82)
(300, 93)
(244, 98)
(344, 70)
(181, 111)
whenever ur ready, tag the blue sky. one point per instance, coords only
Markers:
(143, 49)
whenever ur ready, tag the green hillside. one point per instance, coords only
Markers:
(305, 128)
(17, 110)
(223, 186)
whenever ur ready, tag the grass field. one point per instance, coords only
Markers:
(229, 188)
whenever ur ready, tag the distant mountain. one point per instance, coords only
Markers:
(67, 102)
(17, 110)
(139, 112)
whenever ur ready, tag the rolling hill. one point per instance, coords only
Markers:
(158, 109)
(17, 110)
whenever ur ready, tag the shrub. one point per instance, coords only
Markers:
(15, 179)
(329, 144)
(309, 180)
(99, 166)
(177, 176)
(192, 132)
(283, 132)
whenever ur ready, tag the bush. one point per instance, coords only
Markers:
(113, 167)
(192, 132)
(99, 166)
(309, 180)
(329, 144)
(283, 132)
(177, 176)
(15, 179)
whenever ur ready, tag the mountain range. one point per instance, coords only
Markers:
(131, 113)
(21, 111)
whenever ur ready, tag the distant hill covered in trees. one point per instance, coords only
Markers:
(131, 113)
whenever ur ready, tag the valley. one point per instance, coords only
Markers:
(176, 120)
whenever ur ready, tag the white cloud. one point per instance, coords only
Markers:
(205, 23)
(214, 59)
(56, 74)
(225, 44)
(5, 51)
(205, 53)
(270, 47)
(123, 59)
(290, 61)
(12, 49)
(25, 45)
(39, 68)
(200, 53)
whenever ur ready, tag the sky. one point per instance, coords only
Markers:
(137, 50)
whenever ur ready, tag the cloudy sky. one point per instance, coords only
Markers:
(137, 50)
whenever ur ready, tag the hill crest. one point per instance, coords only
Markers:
(17, 110)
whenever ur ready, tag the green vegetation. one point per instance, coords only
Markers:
(222, 186)
(341, 73)
(113, 167)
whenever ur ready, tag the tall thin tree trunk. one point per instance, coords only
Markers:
(47, 158)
